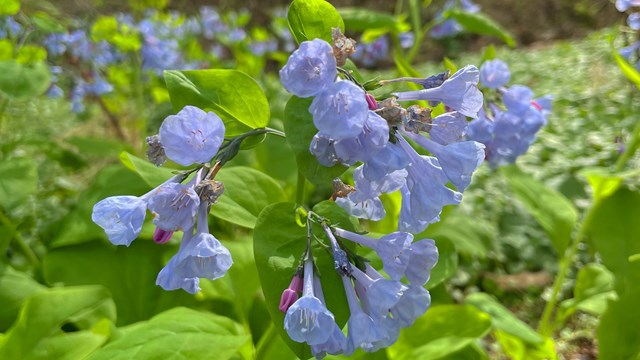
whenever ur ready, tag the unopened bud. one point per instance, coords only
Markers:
(371, 101)
(290, 294)
(162, 236)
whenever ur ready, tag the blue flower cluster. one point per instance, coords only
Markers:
(632, 51)
(190, 137)
(379, 306)
(450, 27)
(373, 53)
(507, 129)
(353, 128)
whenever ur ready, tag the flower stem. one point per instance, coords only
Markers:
(19, 240)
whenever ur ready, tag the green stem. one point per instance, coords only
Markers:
(275, 132)
(631, 148)
(300, 189)
(3, 107)
(19, 240)
(545, 328)
(266, 340)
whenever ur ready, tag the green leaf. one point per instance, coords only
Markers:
(603, 183)
(627, 69)
(470, 238)
(614, 229)
(246, 192)
(618, 332)
(298, 123)
(310, 19)
(441, 331)
(503, 319)
(31, 54)
(151, 174)
(278, 244)
(489, 53)
(37, 333)
(480, 24)
(19, 180)
(552, 210)
(448, 64)
(233, 95)
(15, 287)
(361, 19)
(128, 272)
(517, 349)
(179, 333)
(594, 287)
(9, 7)
(21, 81)
(47, 23)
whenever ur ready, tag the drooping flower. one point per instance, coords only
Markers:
(121, 217)
(310, 69)
(174, 206)
(192, 136)
(459, 92)
(169, 279)
(308, 319)
(290, 294)
(448, 128)
(337, 342)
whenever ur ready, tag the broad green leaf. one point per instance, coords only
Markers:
(128, 272)
(480, 24)
(517, 349)
(441, 331)
(552, 210)
(310, 19)
(233, 95)
(19, 180)
(47, 23)
(15, 287)
(99, 146)
(618, 332)
(298, 124)
(594, 287)
(278, 244)
(489, 53)
(179, 333)
(21, 81)
(627, 69)
(31, 54)
(151, 174)
(361, 19)
(9, 7)
(470, 238)
(124, 37)
(614, 229)
(602, 182)
(503, 319)
(37, 332)
(272, 347)
(246, 192)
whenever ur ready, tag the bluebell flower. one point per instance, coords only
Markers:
(322, 148)
(373, 137)
(387, 160)
(121, 217)
(634, 21)
(310, 69)
(340, 111)
(337, 342)
(413, 303)
(459, 92)
(445, 29)
(407, 39)
(55, 92)
(425, 193)
(388, 326)
(370, 54)
(203, 256)
(517, 98)
(382, 294)
(169, 279)
(624, 5)
(448, 128)
(423, 256)
(191, 136)
(78, 93)
(363, 332)
(55, 44)
(494, 74)
(458, 160)
(308, 319)
(174, 206)
(370, 209)
(211, 22)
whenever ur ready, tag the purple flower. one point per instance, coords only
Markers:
(310, 69)
(290, 294)
(308, 319)
(322, 148)
(458, 160)
(412, 304)
(169, 279)
(191, 136)
(340, 111)
(121, 217)
(634, 21)
(624, 5)
(174, 206)
(363, 331)
(494, 73)
(373, 137)
(370, 209)
(382, 294)
(448, 128)
(337, 342)
(459, 92)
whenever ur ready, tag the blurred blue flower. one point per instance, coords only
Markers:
(634, 21)
(448, 128)
(494, 74)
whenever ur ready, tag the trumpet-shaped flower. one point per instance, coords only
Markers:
(121, 217)
(494, 73)
(340, 111)
(174, 206)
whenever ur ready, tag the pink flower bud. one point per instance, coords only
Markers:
(162, 236)
(290, 294)
(536, 105)
(371, 101)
